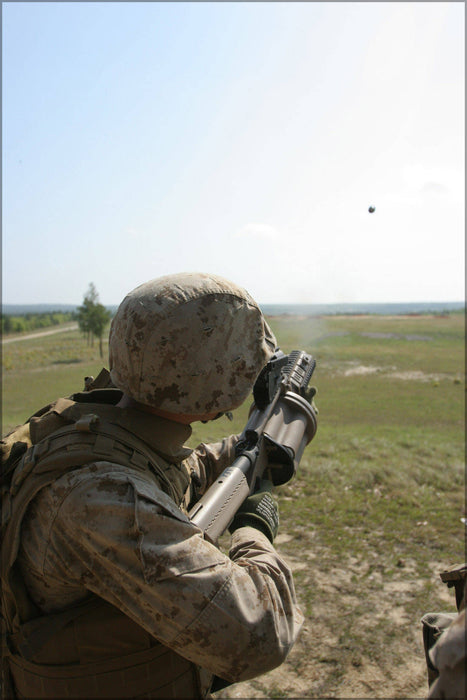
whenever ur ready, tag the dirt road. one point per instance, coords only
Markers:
(40, 334)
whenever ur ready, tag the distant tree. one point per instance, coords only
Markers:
(84, 313)
(19, 324)
(7, 324)
(99, 320)
(93, 317)
(32, 321)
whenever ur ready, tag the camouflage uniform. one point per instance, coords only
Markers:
(450, 658)
(445, 641)
(109, 589)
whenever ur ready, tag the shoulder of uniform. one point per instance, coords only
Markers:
(13, 446)
(451, 646)
(103, 482)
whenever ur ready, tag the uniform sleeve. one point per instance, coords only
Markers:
(236, 617)
(449, 656)
(208, 461)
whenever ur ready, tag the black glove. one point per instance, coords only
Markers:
(259, 511)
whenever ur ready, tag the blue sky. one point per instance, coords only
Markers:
(244, 139)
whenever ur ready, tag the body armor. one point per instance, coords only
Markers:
(91, 649)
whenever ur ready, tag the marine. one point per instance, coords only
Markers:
(108, 589)
(445, 642)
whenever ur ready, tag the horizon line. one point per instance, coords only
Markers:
(266, 303)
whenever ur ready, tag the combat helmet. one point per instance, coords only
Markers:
(189, 343)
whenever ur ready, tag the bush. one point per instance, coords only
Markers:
(31, 321)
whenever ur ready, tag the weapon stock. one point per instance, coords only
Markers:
(281, 423)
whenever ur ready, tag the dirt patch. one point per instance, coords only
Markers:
(342, 655)
(417, 376)
(390, 372)
(361, 369)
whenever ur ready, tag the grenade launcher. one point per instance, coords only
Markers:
(281, 423)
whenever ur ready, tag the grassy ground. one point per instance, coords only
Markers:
(374, 513)
(36, 371)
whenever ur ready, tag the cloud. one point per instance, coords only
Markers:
(435, 179)
(434, 187)
(259, 231)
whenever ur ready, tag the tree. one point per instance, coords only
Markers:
(7, 324)
(93, 317)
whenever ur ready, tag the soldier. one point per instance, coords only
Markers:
(449, 658)
(108, 589)
(445, 642)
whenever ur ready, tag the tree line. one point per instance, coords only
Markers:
(33, 321)
(92, 317)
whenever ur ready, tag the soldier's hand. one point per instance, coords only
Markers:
(260, 511)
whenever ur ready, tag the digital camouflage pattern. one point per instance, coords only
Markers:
(105, 529)
(449, 656)
(105, 520)
(189, 343)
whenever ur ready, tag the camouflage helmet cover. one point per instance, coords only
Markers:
(189, 343)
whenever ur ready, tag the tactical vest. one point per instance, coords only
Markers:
(90, 649)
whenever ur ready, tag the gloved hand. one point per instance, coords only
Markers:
(260, 511)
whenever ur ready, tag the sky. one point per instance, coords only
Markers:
(242, 139)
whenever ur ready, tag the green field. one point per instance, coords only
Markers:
(374, 513)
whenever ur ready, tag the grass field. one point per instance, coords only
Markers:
(374, 513)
